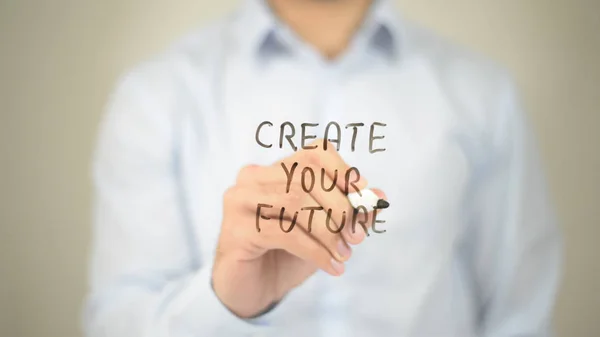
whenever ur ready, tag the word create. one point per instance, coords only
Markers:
(287, 130)
(355, 219)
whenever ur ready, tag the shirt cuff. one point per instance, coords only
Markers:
(197, 309)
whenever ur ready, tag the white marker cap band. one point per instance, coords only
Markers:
(368, 199)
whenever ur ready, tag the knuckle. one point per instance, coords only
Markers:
(245, 174)
(316, 253)
(281, 189)
(295, 193)
(329, 145)
(315, 168)
(317, 141)
(289, 201)
(312, 158)
(269, 189)
(241, 234)
(347, 223)
(306, 247)
(330, 238)
(230, 194)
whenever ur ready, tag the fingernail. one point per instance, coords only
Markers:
(337, 266)
(343, 250)
(366, 198)
(361, 182)
(358, 234)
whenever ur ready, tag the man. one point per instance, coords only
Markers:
(221, 211)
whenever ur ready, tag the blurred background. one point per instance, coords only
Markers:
(59, 59)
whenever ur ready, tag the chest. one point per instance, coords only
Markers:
(397, 128)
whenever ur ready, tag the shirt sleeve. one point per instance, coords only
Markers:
(146, 276)
(515, 247)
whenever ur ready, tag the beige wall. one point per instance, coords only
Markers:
(6, 315)
(59, 58)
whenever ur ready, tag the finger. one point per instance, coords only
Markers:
(361, 221)
(379, 193)
(291, 185)
(289, 195)
(301, 244)
(331, 198)
(324, 229)
(276, 210)
(325, 156)
(327, 195)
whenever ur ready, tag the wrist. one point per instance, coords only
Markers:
(248, 311)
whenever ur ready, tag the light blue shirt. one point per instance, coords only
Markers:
(471, 246)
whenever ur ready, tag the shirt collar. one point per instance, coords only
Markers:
(259, 25)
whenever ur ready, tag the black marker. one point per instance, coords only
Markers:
(369, 200)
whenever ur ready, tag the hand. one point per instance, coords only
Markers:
(254, 269)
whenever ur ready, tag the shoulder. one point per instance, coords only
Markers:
(482, 92)
(167, 72)
(172, 76)
(454, 63)
(482, 95)
(148, 101)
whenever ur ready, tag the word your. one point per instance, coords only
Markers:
(289, 173)
(288, 131)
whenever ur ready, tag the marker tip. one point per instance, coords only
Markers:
(382, 204)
